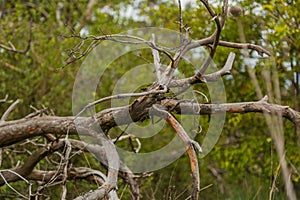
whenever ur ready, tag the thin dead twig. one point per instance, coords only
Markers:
(245, 46)
(180, 20)
(11, 187)
(9, 110)
(5, 99)
(186, 82)
(118, 96)
(156, 59)
(68, 149)
(134, 40)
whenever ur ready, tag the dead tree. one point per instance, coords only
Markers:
(154, 100)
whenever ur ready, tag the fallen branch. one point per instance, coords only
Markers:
(190, 146)
(18, 130)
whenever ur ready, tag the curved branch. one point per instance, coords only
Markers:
(235, 45)
(9, 110)
(206, 77)
(101, 144)
(190, 145)
(216, 34)
(73, 173)
(212, 13)
(119, 96)
(124, 172)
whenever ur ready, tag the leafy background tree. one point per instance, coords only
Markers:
(242, 165)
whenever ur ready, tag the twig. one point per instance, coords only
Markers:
(224, 71)
(207, 77)
(209, 40)
(65, 169)
(112, 162)
(216, 34)
(180, 20)
(156, 59)
(9, 110)
(118, 96)
(12, 67)
(114, 37)
(202, 94)
(204, 188)
(12, 188)
(245, 46)
(119, 137)
(1, 151)
(139, 40)
(138, 148)
(5, 99)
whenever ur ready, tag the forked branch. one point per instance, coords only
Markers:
(76, 53)
(197, 78)
(216, 34)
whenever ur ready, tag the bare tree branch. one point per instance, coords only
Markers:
(190, 145)
(11, 187)
(124, 172)
(9, 110)
(243, 107)
(154, 99)
(68, 150)
(216, 34)
(156, 60)
(124, 39)
(257, 48)
(186, 82)
(18, 130)
(73, 173)
(5, 99)
(118, 96)
(181, 26)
